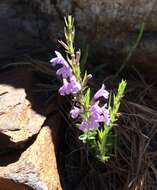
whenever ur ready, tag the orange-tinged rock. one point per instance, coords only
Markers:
(27, 144)
(17, 119)
(37, 166)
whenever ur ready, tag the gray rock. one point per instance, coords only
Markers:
(21, 31)
(109, 27)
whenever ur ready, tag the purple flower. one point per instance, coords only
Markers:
(58, 60)
(100, 114)
(74, 85)
(70, 87)
(89, 124)
(84, 125)
(101, 93)
(93, 123)
(65, 71)
(96, 112)
(65, 90)
(106, 115)
(75, 112)
(95, 108)
(97, 115)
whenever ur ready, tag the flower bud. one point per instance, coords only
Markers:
(78, 55)
(89, 76)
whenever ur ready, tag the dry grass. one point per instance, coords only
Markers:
(136, 153)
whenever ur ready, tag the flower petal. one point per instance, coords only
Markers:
(101, 93)
(75, 112)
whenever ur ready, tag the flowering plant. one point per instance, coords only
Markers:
(94, 118)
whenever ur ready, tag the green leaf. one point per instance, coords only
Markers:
(77, 125)
(83, 137)
(91, 137)
(84, 79)
(87, 98)
(78, 73)
(116, 102)
(70, 22)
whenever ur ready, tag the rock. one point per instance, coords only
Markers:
(109, 27)
(18, 120)
(29, 140)
(36, 167)
(22, 30)
(22, 109)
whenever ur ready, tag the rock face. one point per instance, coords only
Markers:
(36, 167)
(110, 27)
(22, 30)
(18, 120)
(28, 138)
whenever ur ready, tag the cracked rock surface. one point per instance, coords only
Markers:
(28, 137)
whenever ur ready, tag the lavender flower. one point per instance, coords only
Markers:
(74, 85)
(97, 116)
(65, 71)
(70, 87)
(75, 112)
(84, 125)
(95, 108)
(89, 124)
(93, 123)
(65, 90)
(100, 114)
(58, 60)
(106, 115)
(101, 93)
